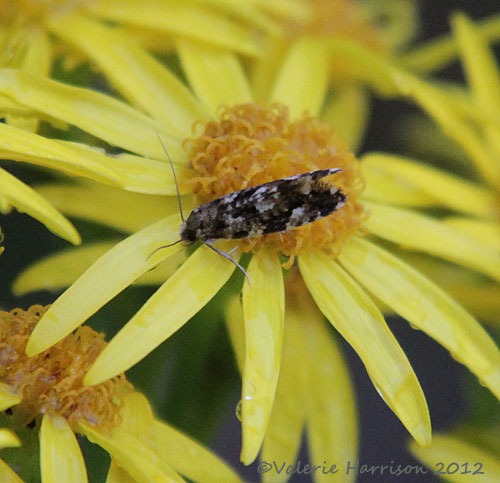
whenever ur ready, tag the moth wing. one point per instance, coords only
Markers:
(268, 208)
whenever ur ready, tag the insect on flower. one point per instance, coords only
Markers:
(273, 207)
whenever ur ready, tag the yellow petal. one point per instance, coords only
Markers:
(173, 304)
(60, 455)
(470, 289)
(137, 418)
(116, 474)
(361, 63)
(7, 475)
(235, 323)
(216, 76)
(38, 56)
(139, 174)
(145, 82)
(7, 397)
(265, 68)
(358, 320)
(23, 198)
(252, 13)
(439, 52)
(115, 208)
(303, 78)
(348, 112)
(112, 273)
(132, 454)
(8, 439)
(485, 232)
(9, 106)
(191, 459)
(425, 306)
(330, 406)
(195, 22)
(435, 102)
(284, 432)
(466, 106)
(103, 116)
(157, 275)
(59, 270)
(21, 145)
(183, 454)
(481, 66)
(449, 190)
(264, 311)
(458, 461)
(483, 300)
(384, 187)
(37, 60)
(483, 73)
(420, 232)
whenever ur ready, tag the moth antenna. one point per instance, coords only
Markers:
(228, 257)
(161, 248)
(175, 180)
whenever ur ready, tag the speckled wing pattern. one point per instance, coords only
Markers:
(272, 207)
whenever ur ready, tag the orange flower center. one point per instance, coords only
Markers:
(250, 145)
(52, 381)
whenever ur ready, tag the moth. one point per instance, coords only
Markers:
(273, 207)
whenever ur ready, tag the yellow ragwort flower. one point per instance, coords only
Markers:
(45, 393)
(221, 140)
(468, 118)
(34, 34)
(309, 43)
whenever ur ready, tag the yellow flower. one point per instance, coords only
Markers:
(309, 43)
(34, 33)
(468, 118)
(244, 144)
(45, 394)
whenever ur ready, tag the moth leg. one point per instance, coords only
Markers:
(227, 256)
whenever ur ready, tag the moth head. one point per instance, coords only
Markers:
(191, 229)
